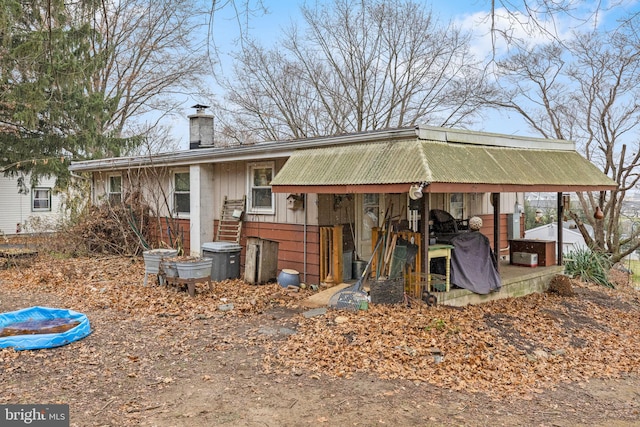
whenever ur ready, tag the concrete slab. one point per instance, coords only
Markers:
(321, 299)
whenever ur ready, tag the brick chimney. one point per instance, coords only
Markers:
(200, 128)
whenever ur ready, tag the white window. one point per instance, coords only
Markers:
(41, 199)
(260, 199)
(456, 205)
(181, 193)
(115, 189)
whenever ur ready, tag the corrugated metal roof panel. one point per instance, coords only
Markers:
(366, 163)
(412, 161)
(463, 163)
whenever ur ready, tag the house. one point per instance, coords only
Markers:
(319, 196)
(572, 240)
(28, 209)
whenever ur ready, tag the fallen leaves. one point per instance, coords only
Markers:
(514, 347)
(503, 348)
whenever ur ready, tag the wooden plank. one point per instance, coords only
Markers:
(336, 251)
(321, 299)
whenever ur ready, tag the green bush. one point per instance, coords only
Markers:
(589, 266)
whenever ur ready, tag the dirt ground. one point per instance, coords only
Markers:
(157, 357)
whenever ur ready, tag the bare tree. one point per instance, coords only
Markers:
(550, 18)
(587, 90)
(152, 57)
(356, 65)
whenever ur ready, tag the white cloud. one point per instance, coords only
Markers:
(539, 28)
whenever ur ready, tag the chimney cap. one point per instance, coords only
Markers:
(200, 108)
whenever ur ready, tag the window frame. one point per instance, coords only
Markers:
(251, 168)
(460, 205)
(34, 199)
(114, 196)
(178, 192)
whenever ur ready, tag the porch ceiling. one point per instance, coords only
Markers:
(391, 167)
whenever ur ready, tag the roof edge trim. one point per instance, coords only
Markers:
(492, 139)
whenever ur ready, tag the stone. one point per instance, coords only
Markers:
(225, 307)
(340, 319)
(320, 311)
(541, 354)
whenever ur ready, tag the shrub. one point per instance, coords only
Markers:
(589, 266)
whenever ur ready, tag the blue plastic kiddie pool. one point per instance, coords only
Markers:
(42, 327)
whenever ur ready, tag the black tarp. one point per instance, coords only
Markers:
(473, 264)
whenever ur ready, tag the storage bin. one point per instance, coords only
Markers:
(226, 259)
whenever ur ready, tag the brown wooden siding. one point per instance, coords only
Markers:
(487, 230)
(290, 238)
(159, 229)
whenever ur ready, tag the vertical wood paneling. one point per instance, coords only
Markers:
(287, 226)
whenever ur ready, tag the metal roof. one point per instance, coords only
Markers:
(450, 160)
(466, 166)
(262, 150)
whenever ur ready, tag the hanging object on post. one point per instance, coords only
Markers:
(598, 214)
(566, 206)
(415, 191)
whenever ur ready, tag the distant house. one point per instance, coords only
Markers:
(572, 240)
(295, 189)
(22, 210)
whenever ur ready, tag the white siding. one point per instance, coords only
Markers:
(230, 179)
(16, 208)
(477, 203)
(571, 240)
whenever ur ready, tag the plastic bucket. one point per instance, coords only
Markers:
(358, 268)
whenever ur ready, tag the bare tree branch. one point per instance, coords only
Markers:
(356, 66)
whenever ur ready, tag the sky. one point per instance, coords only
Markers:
(469, 14)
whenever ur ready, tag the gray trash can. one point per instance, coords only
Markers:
(226, 259)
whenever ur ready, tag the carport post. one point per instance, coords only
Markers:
(495, 197)
(560, 227)
(424, 235)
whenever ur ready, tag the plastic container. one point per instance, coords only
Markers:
(288, 277)
(226, 259)
(358, 268)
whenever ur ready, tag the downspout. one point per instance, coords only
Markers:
(304, 242)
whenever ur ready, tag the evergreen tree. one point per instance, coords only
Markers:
(49, 113)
